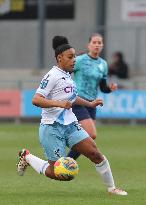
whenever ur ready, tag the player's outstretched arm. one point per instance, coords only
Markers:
(94, 103)
(40, 101)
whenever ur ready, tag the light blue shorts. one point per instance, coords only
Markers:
(55, 137)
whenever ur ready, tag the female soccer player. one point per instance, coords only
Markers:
(90, 73)
(59, 127)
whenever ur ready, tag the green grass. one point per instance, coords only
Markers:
(124, 146)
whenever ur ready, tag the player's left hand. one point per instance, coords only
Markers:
(96, 102)
(113, 86)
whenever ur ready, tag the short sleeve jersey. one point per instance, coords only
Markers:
(57, 85)
(88, 73)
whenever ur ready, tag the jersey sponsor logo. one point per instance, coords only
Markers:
(44, 84)
(69, 89)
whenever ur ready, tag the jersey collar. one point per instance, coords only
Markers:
(92, 57)
(62, 71)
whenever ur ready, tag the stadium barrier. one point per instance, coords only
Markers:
(10, 103)
(28, 109)
(122, 104)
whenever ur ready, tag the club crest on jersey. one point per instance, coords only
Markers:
(101, 68)
(44, 83)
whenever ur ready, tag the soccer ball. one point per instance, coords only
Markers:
(66, 167)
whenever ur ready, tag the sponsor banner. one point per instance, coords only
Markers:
(10, 103)
(28, 109)
(134, 10)
(123, 104)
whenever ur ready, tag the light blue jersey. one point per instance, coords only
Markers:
(88, 73)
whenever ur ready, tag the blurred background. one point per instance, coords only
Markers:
(26, 31)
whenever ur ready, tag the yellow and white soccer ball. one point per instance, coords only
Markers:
(66, 167)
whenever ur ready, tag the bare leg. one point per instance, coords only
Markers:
(89, 126)
(89, 149)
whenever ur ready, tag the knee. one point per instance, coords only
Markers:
(93, 136)
(49, 173)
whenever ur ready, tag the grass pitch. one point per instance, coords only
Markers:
(124, 146)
